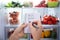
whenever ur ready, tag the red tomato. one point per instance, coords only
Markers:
(54, 22)
(49, 22)
(53, 19)
(47, 18)
(45, 21)
(45, 15)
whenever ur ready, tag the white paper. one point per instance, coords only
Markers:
(30, 17)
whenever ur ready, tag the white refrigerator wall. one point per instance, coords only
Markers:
(3, 22)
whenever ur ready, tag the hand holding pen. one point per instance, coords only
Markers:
(36, 29)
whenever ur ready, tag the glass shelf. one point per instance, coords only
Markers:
(44, 26)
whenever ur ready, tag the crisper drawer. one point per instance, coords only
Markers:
(48, 34)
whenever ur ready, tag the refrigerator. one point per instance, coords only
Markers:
(25, 15)
(50, 32)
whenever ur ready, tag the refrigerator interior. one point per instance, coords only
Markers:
(6, 26)
(30, 14)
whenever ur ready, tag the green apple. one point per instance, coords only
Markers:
(52, 4)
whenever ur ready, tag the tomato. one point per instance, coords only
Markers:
(45, 21)
(48, 19)
(54, 22)
(53, 19)
(50, 22)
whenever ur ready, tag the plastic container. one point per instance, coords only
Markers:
(52, 3)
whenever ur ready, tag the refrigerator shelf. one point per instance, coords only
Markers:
(50, 26)
(20, 39)
(41, 39)
(44, 26)
(47, 39)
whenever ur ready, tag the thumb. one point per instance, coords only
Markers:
(24, 25)
(20, 28)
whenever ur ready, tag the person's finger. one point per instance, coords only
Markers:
(39, 23)
(31, 26)
(20, 28)
(24, 25)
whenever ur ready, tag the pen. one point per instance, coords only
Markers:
(34, 25)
